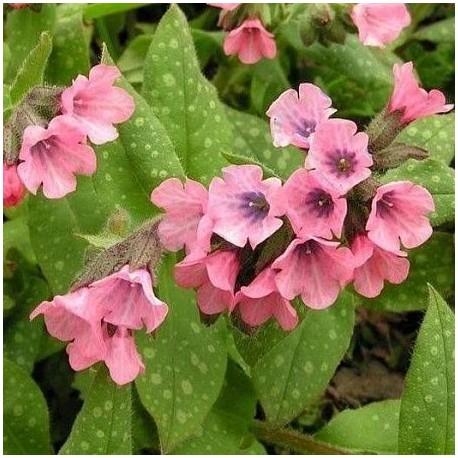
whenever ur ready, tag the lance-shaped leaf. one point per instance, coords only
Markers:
(435, 133)
(25, 414)
(70, 55)
(227, 427)
(184, 101)
(103, 426)
(369, 429)
(32, 70)
(22, 31)
(297, 370)
(427, 417)
(185, 364)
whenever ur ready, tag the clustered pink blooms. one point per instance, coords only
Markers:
(250, 41)
(51, 156)
(13, 189)
(253, 245)
(380, 23)
(99, 321)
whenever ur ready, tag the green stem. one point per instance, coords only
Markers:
(294, 440)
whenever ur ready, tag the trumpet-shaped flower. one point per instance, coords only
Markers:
(242, 205)
(398, 215)
(314, 268)
(96, 104)
(251, 41)
(185, 205)
(340, 154)
(13, 189)
(375, 265)
(412, 100)
(53, 156)
(261, 300)
(380, 23)
(293, 117)
(98, 321)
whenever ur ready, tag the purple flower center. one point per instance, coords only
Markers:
(254, 205)
(45, 146)
(309, 248)
(342, 163)
(306, 129)
(111, 329)
(385, 205)
(319, 203)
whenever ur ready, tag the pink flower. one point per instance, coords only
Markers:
(312, 206)
(214, 277)
(13, 189)
(99, 319)
(96, 104)
(225, 6)
(240, 205)
(374, 265)
(251, 41)
(293, 118)
(73, 318)
(412, 100)
(380, 23)
(314, 268)
(53, 156)
(185, 205)
(260, 300)
(398, 215)
(340, 154)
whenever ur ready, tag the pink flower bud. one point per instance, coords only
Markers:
(13, 189)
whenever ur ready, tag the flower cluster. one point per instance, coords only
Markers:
(253, 245)
(98, 321)
(247, 38)
(52, 154)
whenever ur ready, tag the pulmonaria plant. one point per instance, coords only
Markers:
(54, 150)
(99, 321)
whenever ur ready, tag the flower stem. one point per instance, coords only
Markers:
(293, 440)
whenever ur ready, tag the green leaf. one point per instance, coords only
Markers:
(22, 30)
(253, 140)
(98, 10)
(432, 262)
(32, 70)
(208, 43)
(297, 370)
(103, 426)
(437, 178)
(369, 429)
(132, 60)
(241, 160)
(435, 133)
(349, 72)
(438, 32)
(226, 428)
(25, 414)
(23, 338)
(427, 418)
(70, 55)
(16, 235)
(60, 256)
(185, 364)
(184, 101)
(137, 162)
(144, 430)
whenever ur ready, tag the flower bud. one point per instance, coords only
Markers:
(396, 154)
